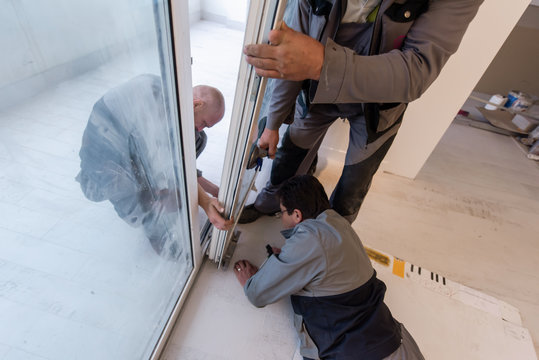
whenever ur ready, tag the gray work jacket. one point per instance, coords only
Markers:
(405, 55)
(325, 268)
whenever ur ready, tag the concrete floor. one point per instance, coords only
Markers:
(470, 214)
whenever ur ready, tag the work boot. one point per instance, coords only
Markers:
(266, 203)
(249, 214)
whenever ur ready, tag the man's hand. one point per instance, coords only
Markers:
(291, 56)
(269, 140)
(243, 270)
(213, 209)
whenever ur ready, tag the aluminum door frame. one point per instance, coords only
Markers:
(263, 16)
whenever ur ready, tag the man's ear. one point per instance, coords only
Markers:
(297, 216)
(198, 104)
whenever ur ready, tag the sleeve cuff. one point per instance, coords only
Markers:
(272, 123)
(332, 74)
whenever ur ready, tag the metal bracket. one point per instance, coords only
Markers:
(230, 250)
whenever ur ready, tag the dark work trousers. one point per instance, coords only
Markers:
(300, 144)
(408, 350)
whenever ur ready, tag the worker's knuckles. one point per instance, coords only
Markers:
(263, 51)
(251, 50)
(286, 63)
(275, 37)
(261, 64)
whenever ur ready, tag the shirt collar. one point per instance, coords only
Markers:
(289, 232)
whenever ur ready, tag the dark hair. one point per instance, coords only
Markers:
(305, 193)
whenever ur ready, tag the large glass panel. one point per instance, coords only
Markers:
(94, 236)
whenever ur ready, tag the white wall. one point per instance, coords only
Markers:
(195, 10)
(231, 13)
(38, 35)
(45, 42)
(237, 11)
(515, 65)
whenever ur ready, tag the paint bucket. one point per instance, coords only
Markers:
(511, 98)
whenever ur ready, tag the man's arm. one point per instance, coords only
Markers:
(301, 260)
(284, 92)
(397, 76)
(208, 186)
(283, 99)
(213, 209)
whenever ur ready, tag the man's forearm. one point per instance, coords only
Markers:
(208, 186)
(401, 75)
(282, 102)
(213, 210)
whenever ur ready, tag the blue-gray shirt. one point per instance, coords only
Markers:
(321, 257)
(337, 299)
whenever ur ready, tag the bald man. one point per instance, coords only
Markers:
(208, 106)
(128, 157)
(209, 109)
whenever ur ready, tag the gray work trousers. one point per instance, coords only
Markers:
(408, 350)
(301, 143)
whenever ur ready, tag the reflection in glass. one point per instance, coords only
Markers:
(89, 268)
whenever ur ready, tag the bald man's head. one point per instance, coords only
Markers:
(208, 106)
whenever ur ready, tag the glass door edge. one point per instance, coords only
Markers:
(182, 56)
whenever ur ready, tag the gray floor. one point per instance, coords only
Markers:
(471, 215)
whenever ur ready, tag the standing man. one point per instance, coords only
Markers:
(127, 158)
(338, 302)
(362, 60)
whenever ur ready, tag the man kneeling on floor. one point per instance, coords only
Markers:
(337, 300)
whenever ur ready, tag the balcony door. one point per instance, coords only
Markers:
(97, 170)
